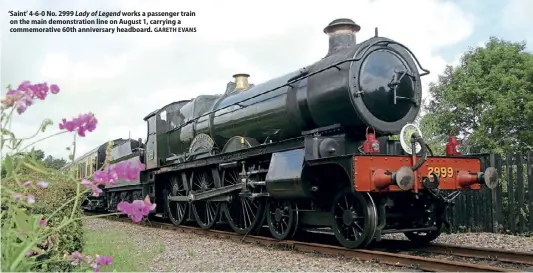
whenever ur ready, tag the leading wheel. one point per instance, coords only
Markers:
(205, 212)
(282, 218)
(244, 215)
(177, 211)
(355, 218)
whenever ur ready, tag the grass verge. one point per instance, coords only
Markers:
(127, 256)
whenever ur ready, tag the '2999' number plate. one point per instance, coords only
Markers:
(441, 171)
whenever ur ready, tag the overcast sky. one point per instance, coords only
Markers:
(123, 77)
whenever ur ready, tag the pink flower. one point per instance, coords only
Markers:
(84, 122)
(42, 184)
(27, 184)
(42, 223)
(105, 176)
(124, 170)
(54, 88)
(104, 260)
(127, 171)
(24, 95)
(137, 209)
(30, 199)
(109, 175)
(76, 258)
(92, 186)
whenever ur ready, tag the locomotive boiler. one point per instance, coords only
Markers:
(372, 84)
(310, 151)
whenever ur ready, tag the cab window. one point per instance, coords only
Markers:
(161, 126)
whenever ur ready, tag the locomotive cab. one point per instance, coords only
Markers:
(159, 122)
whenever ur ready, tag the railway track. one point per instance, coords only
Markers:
(513, 257)
(518, 260)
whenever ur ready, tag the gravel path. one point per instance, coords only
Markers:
(481, 239)
(189, 252)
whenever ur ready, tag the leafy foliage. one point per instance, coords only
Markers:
(47, 234)
(50, 201)
(54, 163)
(39, 155)
(487, 100)
(69, 239)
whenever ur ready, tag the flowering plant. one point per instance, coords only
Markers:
(28, 236)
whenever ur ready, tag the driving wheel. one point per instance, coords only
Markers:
(177, 211)
(205, 212)
(244, 215)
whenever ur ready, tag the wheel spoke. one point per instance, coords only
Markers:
(205, 212)
(351, 212)
(243, 215)
(176, 210)
(281, 219)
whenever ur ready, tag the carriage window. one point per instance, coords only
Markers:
(83, 170)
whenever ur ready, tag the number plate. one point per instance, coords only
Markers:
(443, 172)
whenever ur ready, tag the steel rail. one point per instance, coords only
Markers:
(481, 252)
(394, 259)
(465, 251)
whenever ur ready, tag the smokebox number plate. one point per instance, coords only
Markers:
(441, 171)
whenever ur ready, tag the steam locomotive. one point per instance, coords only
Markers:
(305, 151)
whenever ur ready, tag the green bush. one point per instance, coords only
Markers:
(70, 238)
(60, 189)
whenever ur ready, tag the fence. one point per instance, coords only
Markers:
(507, 208)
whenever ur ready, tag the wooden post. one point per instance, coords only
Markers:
(495, 161)
(530, 187)
(520, 208)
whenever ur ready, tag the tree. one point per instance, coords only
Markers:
(486, 101)
(54, 163)
(37, 154)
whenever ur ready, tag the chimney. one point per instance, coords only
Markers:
(341, 34)
(241, 82)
